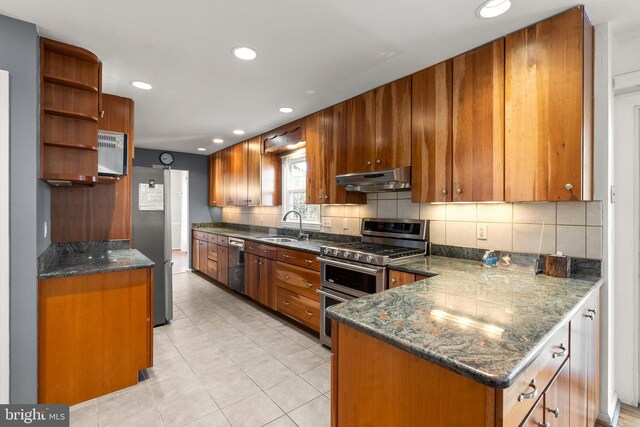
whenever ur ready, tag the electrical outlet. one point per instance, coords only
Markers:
(326, 222)
(482, 231)
(345, 224)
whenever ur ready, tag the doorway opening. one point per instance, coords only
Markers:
(180, 220)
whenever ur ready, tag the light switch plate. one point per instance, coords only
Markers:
(482, 231)
(326, 222)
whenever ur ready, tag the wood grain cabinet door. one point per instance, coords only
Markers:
(361, 133)
(252, 275)
(399, 278)
(239, 162)
(267, 290)
(253, 169)
(593, 359)
(478, 124)
(226, 159)
(556, 399)
(431, 134)
(393, 124)
(548, 108)
(216, 179)
(195, 254)
(223, 265)
(202, 256)
(316, 160)
(536, 417)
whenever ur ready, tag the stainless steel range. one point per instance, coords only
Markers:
(352, 270)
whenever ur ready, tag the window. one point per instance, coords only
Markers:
(294, 184)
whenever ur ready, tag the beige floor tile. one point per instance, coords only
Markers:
(292, 393)
(252, 358)
(283, 421)
(214, 419)
(176, 387)
(178, 412)
(118, 406)
(302, 361)
(316, 413)
(167, 368)
(229, 385)
(149, 418)
(269, 374)
(320, 350)
(282, 347)
(319, 377)
(254, 411)
(196, 344)
(84, 414)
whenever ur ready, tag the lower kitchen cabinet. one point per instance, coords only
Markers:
(259, 283)
(223, 265)
(195, 254)
(399, 278)
(557, 401)
(302, 309)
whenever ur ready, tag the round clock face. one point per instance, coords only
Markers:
(166, 158)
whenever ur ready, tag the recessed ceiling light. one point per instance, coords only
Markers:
(244, 53)
(141, 85)
(218, 140)
(286, 110)
(493, 8)
(201, 149)
(238, 132)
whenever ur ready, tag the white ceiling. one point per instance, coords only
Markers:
(336, 48)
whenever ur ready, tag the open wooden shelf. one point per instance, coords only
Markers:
(76, 84)
(69, 50)
(108, 179)
(70, 114)
(64, 144)
(58, 179)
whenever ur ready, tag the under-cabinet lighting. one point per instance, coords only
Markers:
(493, 8)
(465, 321)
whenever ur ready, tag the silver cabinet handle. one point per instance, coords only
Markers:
(560, 353)
(308, 261)
(592, 310)
(589, 316)
(332, 296)
(286, 256)
(532, 394)
(543, 425)
(308, 285)
(285, 302)
(393, 280)
(555, 412)
(568, 187)
(308, 313)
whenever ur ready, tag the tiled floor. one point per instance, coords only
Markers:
(180, 261)
(223, 361)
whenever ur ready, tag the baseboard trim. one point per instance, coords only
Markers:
(604, 420)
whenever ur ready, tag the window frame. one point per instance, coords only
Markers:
(293, 221)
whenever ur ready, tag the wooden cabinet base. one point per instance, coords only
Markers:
(94, 334)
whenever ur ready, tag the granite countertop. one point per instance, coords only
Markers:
(93, 262)
(312, 245)
(512, 314)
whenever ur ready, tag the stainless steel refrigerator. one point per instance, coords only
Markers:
(151, 233)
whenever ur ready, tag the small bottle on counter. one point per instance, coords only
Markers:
(489, 259)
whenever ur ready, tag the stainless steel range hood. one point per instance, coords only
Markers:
(376, 182)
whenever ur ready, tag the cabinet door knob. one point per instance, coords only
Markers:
(532, 394)
(378, 161)
(568, 187)
(560, 353)
(459, 190)
(444, 192)
(393, 280)
(369, 163)
(320, 197)
(286, 277)
(555, 412)
(326, 197)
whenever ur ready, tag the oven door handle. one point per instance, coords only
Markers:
(327, 294)
(353, 267)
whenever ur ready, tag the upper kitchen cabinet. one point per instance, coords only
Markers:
(70, 92)
(326, 133)
(284, 137)
(379, 128)
(253, 172)
(393, 124)
(549, 110)
(478, 124)
(216, 179)
(238, 158)
(431, 134)
(270, 179)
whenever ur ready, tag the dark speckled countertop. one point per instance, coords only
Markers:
(513, 314)
(94, 262)
(312, 245)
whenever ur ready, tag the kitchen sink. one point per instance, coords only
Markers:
(278, 239)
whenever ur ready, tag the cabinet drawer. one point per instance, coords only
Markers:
(265, 251)
(212, 269)
(212, 238)
(200, 235)
(212, 251)
(302, 259)
(541, 370)
(299, 308)
(222, 240)
(298, 280)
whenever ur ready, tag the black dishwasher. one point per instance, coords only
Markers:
(236, 264)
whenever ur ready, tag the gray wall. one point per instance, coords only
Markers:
(198, 167)
(30, 202)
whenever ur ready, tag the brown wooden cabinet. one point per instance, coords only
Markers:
(478, 124)
(195, 254)
(379, 128)
(431, 134)
(70, 91)
(549, 110)
(399, 278)
(557, 400)
(253, 172)
(223, 265)
(216, 179)
(327, 157)
(259, 280)
(288, 134)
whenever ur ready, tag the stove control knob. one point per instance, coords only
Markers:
(327, 250)
(345, 254)
(356, 256)
(336, 252)
(369, 258)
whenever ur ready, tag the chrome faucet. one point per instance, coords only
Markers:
(301, 235)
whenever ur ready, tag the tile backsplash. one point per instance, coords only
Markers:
(575, 228)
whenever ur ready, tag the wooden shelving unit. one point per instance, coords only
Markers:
(76, 84)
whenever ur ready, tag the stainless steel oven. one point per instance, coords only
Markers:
(352, 278)
(328, 298)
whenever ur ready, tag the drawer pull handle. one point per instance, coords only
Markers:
(308, 261)
(308, 313)
(285, 302)
(592, 310)
(540, 424)
(560, 353)
(286, 256)
(589, 316)
(555, 412)
(532, 394)
(309, 285)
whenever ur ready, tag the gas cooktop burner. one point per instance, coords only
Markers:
(370, 253)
